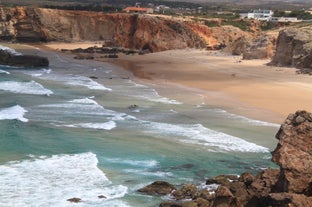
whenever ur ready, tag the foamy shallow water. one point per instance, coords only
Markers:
(31, 87)
(15, 112)
(85, 140)
(50, 181)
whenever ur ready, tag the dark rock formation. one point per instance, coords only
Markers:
(294, 154)
(289, 186)
(186, 192)
(222, 179)
(294, 48)
(157, 188)
(74, 200)
(32, 61)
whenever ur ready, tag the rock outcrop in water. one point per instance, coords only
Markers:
(289, 186)
(294, 49)
(30, 61)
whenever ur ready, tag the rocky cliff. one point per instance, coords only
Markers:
(290, 185)
(294, 48)
(261, 47)
(122, 30)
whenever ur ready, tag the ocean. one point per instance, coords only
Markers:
(88, 129)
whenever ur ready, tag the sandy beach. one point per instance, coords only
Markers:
(273, 92)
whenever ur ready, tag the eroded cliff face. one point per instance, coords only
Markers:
(261, 47)
(124, 30)
(294, 48)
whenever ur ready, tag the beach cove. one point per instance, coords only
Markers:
(73, 124)
(271, 93)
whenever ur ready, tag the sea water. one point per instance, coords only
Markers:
(68, 131)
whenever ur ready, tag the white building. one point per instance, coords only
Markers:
(262, 15)
(285, 19)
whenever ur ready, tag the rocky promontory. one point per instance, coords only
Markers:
(294, 49)
(288, 186)
(30, 61)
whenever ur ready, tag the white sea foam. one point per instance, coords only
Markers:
(5, 72)
(15, 112)
(146, 93)
(85, 101)
(137, 163)
(155, 97)
(106, 126)
(31, 87)
(245, 119)
(211, 187)
(148, 173)
(38, 73)
(86, 82)
(73, 80)
(87, 106)
(198, 134)
(50, 181)
(10, 50)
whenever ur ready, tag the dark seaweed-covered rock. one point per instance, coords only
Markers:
(31, 61)
(157, 188)
(74, 200)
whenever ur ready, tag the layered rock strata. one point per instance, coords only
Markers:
(291, 185)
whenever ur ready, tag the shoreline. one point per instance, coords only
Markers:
(246, 87)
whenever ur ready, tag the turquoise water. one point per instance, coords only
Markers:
(64, 134)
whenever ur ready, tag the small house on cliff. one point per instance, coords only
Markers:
(138, 9)
(262, 15)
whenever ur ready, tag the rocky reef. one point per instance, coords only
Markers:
(290, 185)
(294, 49)
(30, 61)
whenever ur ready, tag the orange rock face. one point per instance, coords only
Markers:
(123, 30)
(294, 154)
